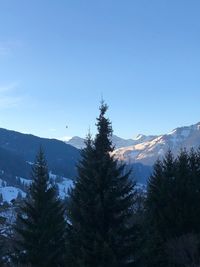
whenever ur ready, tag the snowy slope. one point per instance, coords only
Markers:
(64, 186)
(10, 193)
(147, 152)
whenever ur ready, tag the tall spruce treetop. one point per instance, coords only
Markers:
(41, 226)
(103, 143)
(101, 205)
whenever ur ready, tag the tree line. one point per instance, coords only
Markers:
(106, 221)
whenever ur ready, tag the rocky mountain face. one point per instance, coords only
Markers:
(147, 151)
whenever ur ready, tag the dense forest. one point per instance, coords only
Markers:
(107, 220)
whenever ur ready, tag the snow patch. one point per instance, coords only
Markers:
(64, 186)
(10, 192)
(24, 181)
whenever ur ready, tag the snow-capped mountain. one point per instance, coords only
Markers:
(147, 151)
(118, 142)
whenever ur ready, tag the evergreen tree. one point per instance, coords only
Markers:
(41, 225)
(173, 210)
(1, 198)
(153, 245)
(19, 196)
(1, 250)
(159, 202)
(101, 204)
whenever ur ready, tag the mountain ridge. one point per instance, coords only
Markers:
(148, 151)
(118, 142)
(26, 146)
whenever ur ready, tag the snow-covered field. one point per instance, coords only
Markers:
(9, 193)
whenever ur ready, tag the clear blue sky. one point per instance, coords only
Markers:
(58, 57)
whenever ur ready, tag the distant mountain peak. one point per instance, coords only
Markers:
(77, 142)
(139, 136)
(149, 148)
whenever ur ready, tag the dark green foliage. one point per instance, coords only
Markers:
(41, 225)
(172, 210)
(1, 243)
(1, 198)
(101, 233)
